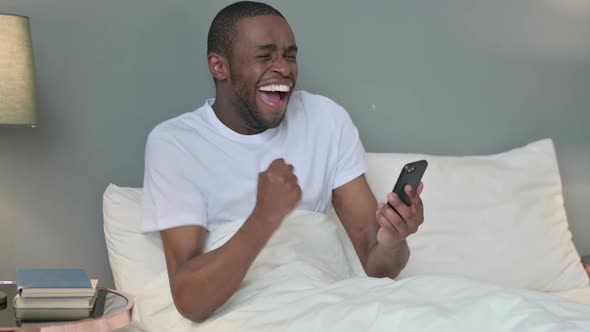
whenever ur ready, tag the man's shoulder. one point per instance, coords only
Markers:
(308, 98)
(318, 105)
(168, 127)
(183, 123)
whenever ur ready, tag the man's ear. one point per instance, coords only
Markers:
(218, 66)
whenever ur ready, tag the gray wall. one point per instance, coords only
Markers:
(445, 77)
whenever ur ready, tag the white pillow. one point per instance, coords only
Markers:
(498, 218)
(135, 258)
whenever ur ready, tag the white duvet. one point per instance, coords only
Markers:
(303, 281)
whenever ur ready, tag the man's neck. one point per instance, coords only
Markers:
(227, 113)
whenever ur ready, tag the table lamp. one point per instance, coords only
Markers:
(18, 105)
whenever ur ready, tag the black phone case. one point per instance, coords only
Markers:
(411, 174)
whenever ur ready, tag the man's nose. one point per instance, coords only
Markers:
(281, 66)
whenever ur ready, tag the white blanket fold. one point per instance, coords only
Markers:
(302, 281)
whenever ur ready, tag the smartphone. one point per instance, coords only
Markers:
(411, 174)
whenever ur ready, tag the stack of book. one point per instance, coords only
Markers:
(54, 294)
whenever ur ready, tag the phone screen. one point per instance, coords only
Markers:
(411, 174)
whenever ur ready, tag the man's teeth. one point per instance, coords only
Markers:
(275, 88)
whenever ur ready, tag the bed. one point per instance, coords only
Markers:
(495, 254)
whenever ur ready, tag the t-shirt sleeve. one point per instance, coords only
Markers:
(351, 153)
(170, 199)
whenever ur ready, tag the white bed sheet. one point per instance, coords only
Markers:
(581, 295)
(578, 295)
(301, 282)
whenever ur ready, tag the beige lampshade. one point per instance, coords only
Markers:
(18, 105)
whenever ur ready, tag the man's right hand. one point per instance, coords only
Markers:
(213, 277)
(278, 193)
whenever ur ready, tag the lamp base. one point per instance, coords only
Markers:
(2, 300)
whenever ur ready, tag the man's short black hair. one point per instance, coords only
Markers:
(223, 28)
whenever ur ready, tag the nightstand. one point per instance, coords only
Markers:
(111, 311)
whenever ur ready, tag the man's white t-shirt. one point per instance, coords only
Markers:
(200, 172)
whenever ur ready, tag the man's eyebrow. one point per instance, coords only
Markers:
(267, 47)
(273, 47)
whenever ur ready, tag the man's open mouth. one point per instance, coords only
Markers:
(274, 94)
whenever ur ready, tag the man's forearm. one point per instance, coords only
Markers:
(206, 282)
(387, 261)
